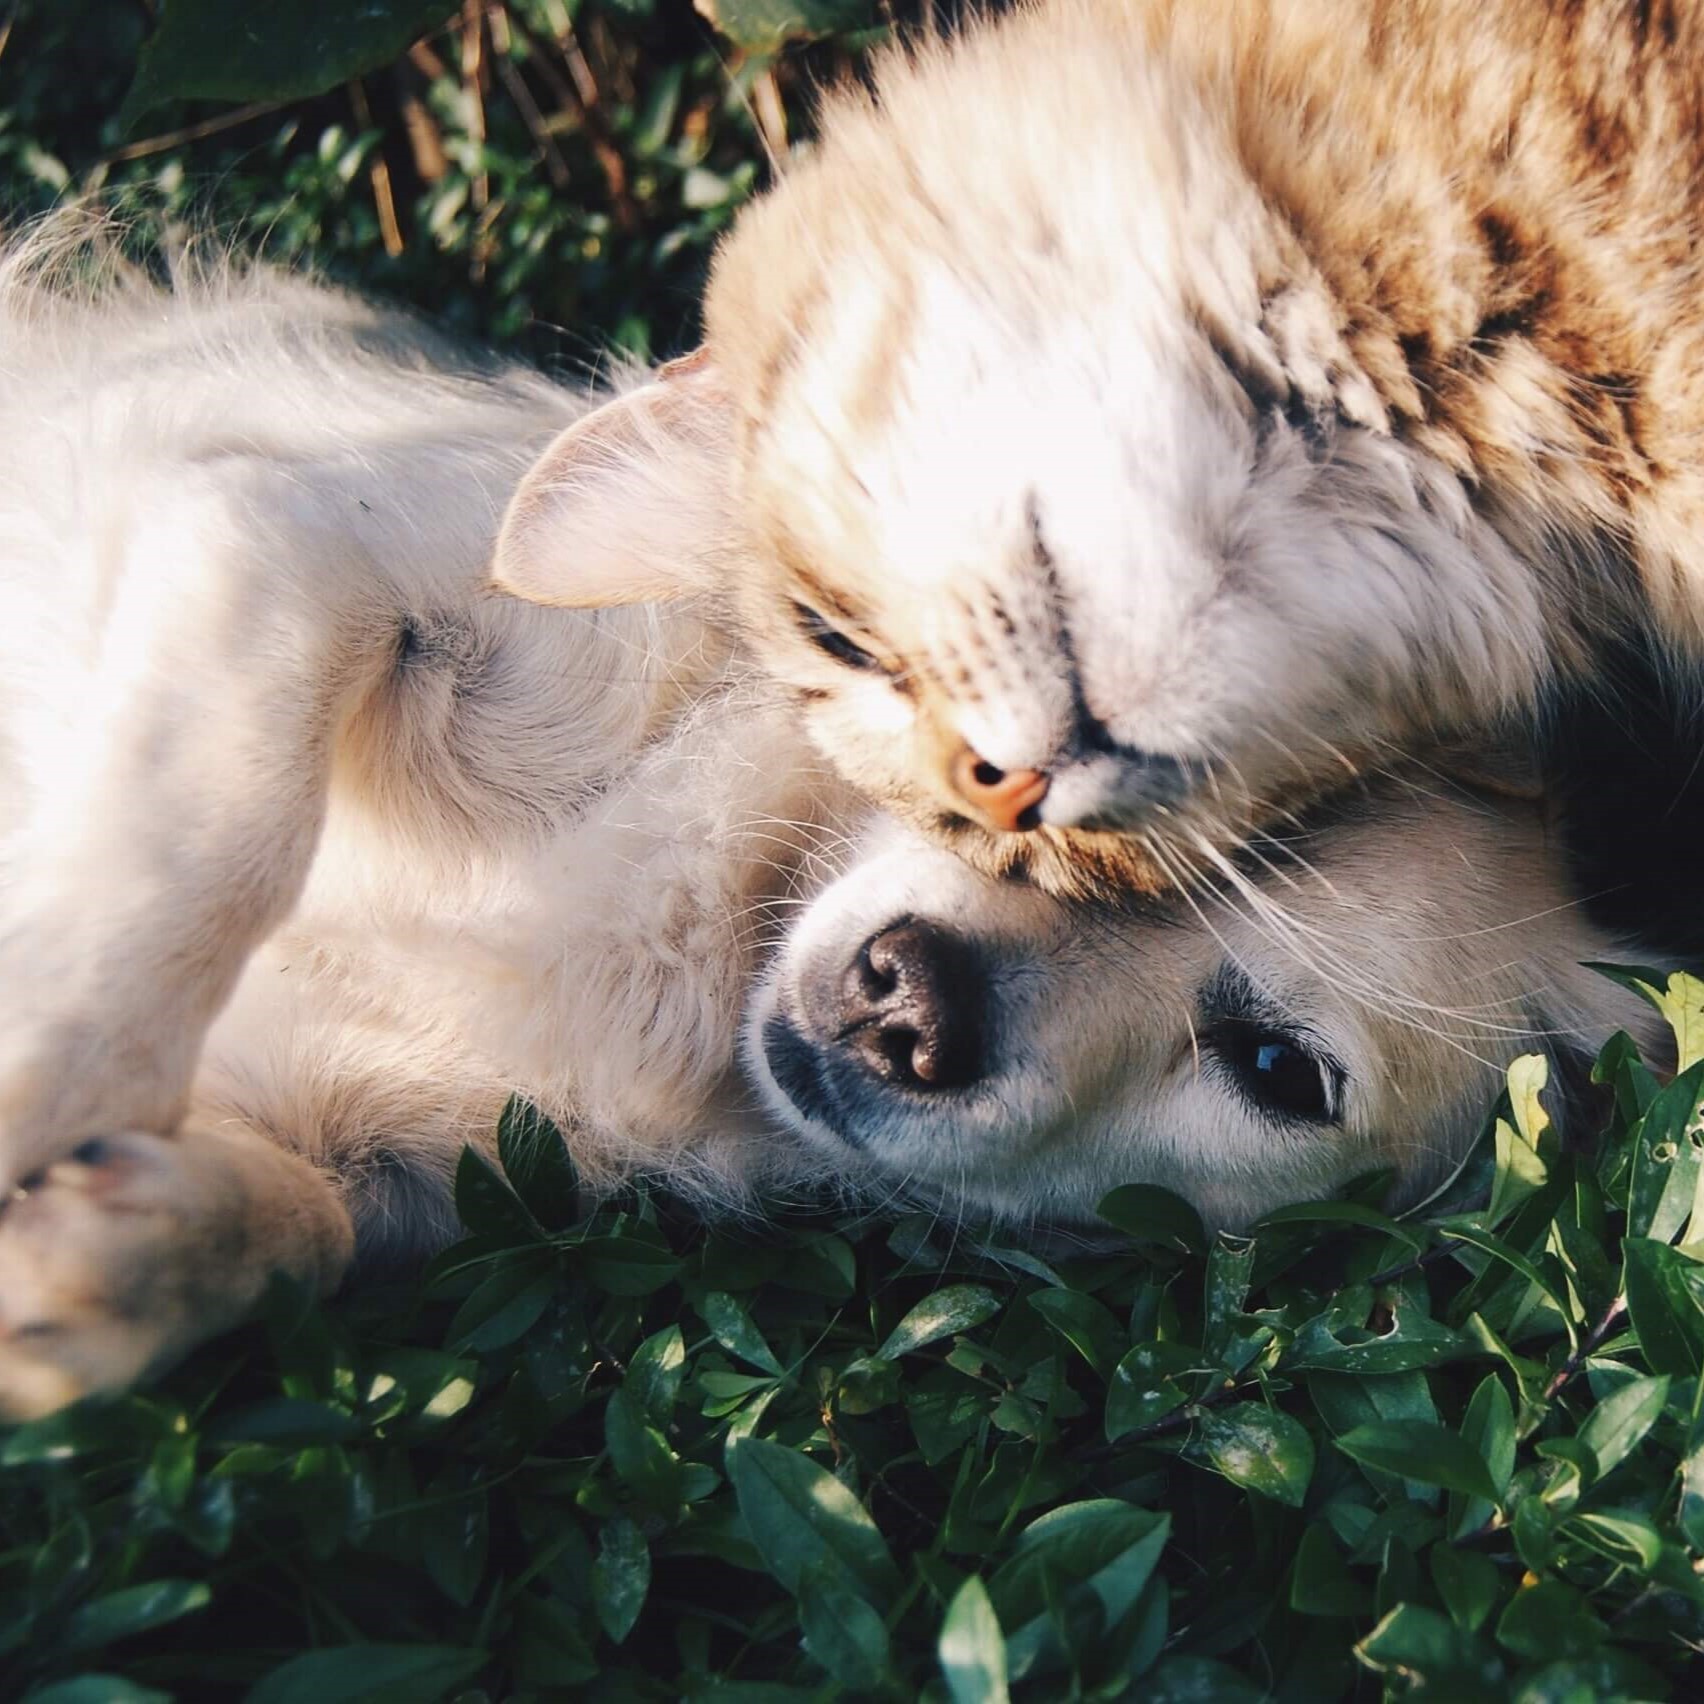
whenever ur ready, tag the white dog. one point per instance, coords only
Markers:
(313, 852)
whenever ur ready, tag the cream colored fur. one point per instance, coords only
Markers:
(312, 852)
(1196, 401)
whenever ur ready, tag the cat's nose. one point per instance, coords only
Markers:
(1006, 799)
(910, 1008)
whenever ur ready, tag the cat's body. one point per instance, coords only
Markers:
(1143, 415)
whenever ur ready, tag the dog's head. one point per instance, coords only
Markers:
(1343, 1005)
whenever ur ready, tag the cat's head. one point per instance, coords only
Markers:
(1030, 450)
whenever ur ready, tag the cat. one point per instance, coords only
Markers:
(1134, 418)
(312, 853)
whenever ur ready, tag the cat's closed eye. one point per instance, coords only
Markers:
(831, 641)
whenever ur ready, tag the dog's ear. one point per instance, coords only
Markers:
(630, 503)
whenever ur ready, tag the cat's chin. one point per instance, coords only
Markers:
(1109, 864)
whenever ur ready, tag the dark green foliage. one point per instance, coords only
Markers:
(553, 176)
(1457, 1457)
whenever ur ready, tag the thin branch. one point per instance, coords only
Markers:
(378, 175)
(522, 96)
(1611, 1319)
(193, 132)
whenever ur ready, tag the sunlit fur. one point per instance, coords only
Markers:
(1255, 384)
(1421, 939)
(312, 852)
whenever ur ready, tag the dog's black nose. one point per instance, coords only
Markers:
(911, 1008)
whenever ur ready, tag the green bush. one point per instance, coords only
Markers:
(552, 177)
(1459, 1456)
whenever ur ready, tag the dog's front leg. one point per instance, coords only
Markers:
(230, 627)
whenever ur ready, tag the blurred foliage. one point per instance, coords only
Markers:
(550, 173)
(1457, 1457)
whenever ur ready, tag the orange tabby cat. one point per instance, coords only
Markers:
(1139, 415)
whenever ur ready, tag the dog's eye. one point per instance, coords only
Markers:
(831, 641)
(1277, 1072)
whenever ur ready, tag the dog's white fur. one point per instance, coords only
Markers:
(312, 852)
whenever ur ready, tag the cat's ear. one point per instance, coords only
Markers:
(630, 503)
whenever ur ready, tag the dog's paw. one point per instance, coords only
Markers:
(116, 1259)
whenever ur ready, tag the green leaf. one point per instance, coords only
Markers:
(627, 1265)
(503, 1308)
(1195, 1680)
(1527, 1078)
(1084, 1323)
(842, 1632)
(1549, 1621)
(1143, 1388)
(1488, 1430)
(1692, 1486)
(800, 1516)
(487, 1205)
(765, 26)
(1419, 1645)
(1519, 1174)
(621, 1577)
(654, 1373)
(1258, 1447)
(270, 50)
(1468, 1583)
(735, 1330)
(535, 1160)
(1665, 1302)
(1512, 1257)
(368, 1674)
(1615, 1428)
(640, 1453)
(1522, 1148)
(1668, 1164)
(1320, 1581)
(1152, 1215)
(85, 1427)
(972, 1649)
(1106, 1543)
(1415, 1450)
(286, 1421)
(1624, 1538)
(1346, 1213)
(134, 1609)
(1230, 1264)
(1680, 999)
(97, 1689)
(957, 1307)
(1412, 1343)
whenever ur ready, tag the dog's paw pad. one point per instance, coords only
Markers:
(104, 1257)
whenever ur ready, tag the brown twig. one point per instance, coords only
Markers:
(473, 80)
(425, 60)
(378, 175)
(579, 102)
(771, 116)
(522, 96)
(1612, 1318)
(193, 132)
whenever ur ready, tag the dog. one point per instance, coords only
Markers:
(315, 852)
